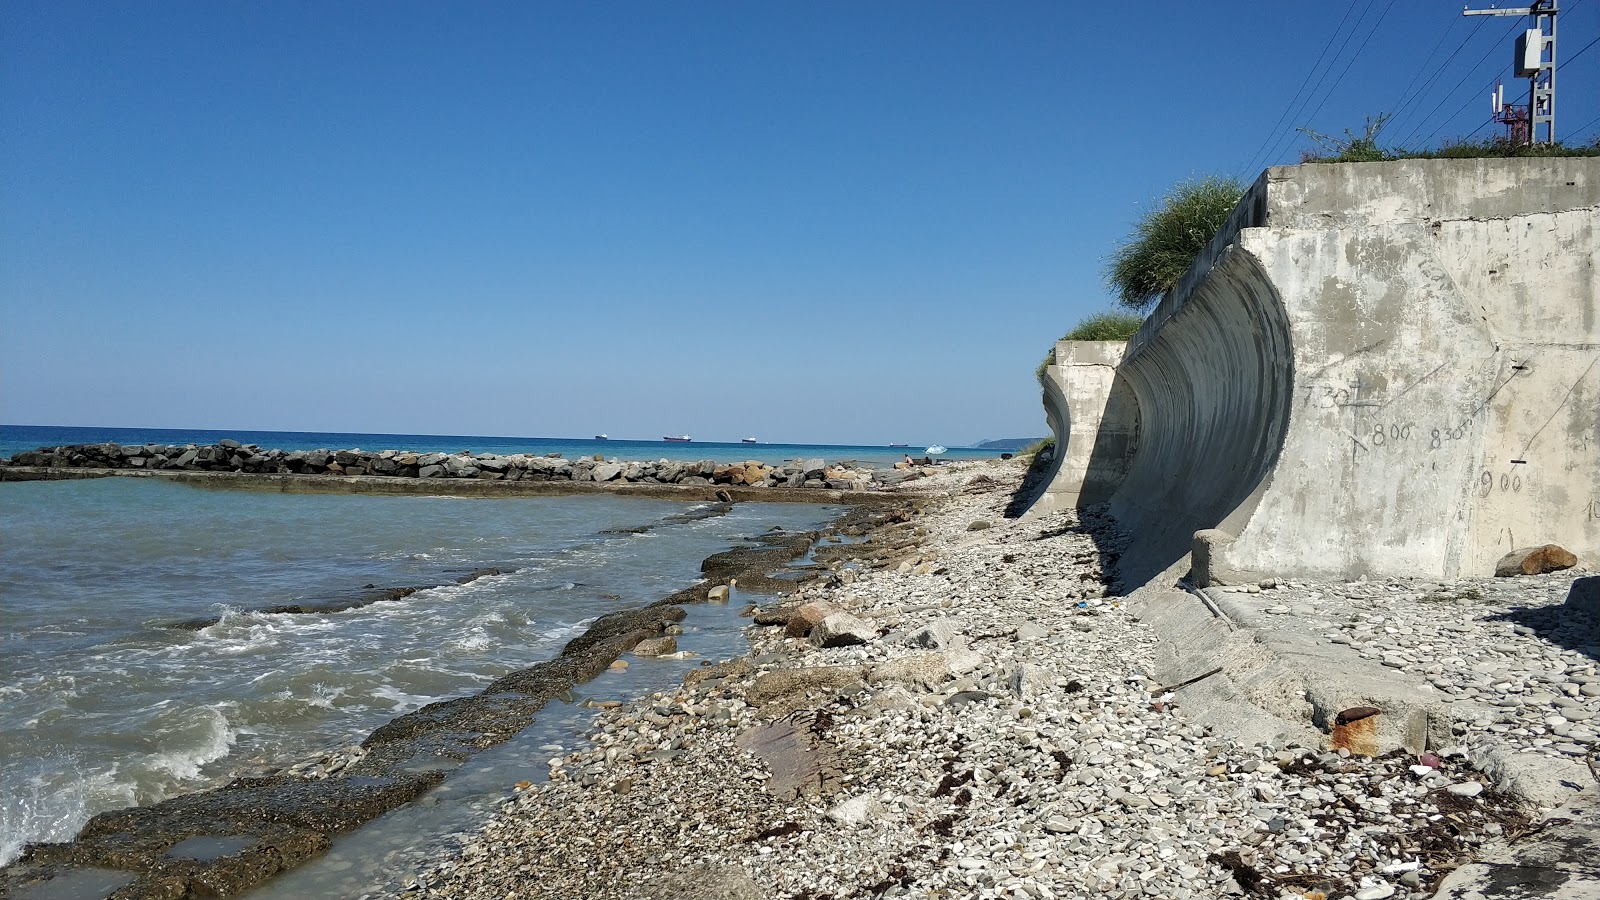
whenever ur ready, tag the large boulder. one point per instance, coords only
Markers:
(920, 669)
(807, 616)
(657, 646)
(939, 634)
(789, 682)
(1535, 561)
(843, 629)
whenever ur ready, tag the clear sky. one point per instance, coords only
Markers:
(813, 222)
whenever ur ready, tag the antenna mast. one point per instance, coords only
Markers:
(1536, 61)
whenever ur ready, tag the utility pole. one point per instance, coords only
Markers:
(1536, 61)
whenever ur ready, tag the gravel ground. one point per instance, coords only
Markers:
(996, 734)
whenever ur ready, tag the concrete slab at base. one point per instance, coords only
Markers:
(1562, 862)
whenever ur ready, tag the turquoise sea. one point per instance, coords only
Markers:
(17, 438)
(103, 704)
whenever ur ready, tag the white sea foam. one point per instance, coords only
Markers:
(203, 736)
(55, 807)
(400, 701)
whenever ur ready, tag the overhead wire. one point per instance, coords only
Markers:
(1400, 111)
(1426, 61)
(1574, 56)
(1450, 118)
(1446, 98)
(1353, 58)
(1250, 166)
(1280, 144)
(1580, 129)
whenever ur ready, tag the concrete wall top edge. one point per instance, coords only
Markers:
(1089, 353)
(1331, 195)
(1410, 190)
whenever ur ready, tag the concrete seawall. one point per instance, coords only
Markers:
(1096, 421)
(1376, 369)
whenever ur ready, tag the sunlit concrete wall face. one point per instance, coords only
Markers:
(1095, 421)
(1379, 369)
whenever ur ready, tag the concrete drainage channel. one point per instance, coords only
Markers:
(1268, 678)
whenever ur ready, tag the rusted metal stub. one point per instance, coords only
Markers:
(1356, 730)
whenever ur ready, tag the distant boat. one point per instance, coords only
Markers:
(681, 439)
(899, 445)
(935, 450)
(602, 437)
(749, 440)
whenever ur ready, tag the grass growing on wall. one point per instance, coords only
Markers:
(1365, 148)
(1166, 240)
(1104, 326)
(1037, 448)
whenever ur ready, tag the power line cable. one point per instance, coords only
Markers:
(1288, 137)
(1446, 98)
(1401, 110)
(1352, 61)
(1574, 56)
(1400, 100)
(1448, 119)
(1580, 128)
(1250, 166)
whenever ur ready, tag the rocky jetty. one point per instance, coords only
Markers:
(232, 456)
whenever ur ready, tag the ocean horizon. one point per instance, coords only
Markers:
(16, 439)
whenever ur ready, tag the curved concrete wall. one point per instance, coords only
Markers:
(1095, 420)
(1213, 378)
(1377, 368)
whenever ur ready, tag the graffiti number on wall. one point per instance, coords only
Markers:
(1508, 483)
(1440, 435)
(1393, 432)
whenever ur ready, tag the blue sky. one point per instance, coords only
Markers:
(829, 222)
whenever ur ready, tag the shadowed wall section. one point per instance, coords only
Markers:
(1213, 377)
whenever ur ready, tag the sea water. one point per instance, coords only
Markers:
(104, 704)
(17, 438)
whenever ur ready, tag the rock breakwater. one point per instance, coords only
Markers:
(232, 456)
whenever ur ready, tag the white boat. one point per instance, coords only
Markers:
(602, 437)
(749, 440)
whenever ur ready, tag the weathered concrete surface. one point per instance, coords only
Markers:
(1376, 368)
(1559, 862)
(1234, 667)
(1096, 423)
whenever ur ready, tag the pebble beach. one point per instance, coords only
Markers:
(964, 706)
